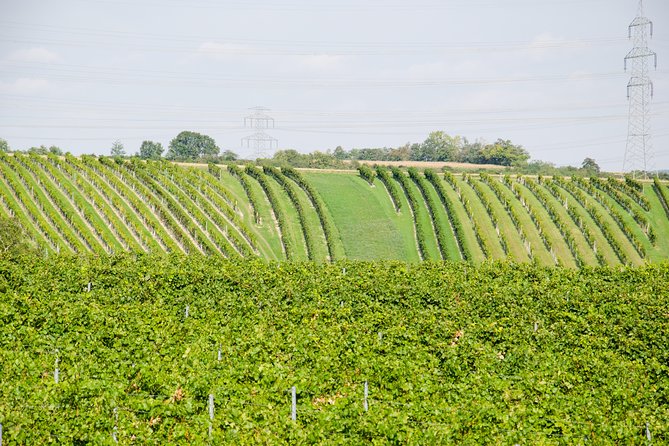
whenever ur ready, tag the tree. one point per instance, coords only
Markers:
(229, 155)
(438, 146)
(150, 150)
(590, 165)
(117, 149)
(4, 145)
(191, 146)
(13, 239)
(55, 150)
(41, 150)
(504, 153)
(340, 153)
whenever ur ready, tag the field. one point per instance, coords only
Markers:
(105, 206)
(134, 347)
(178, 304)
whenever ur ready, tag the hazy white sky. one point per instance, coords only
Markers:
(547, 74)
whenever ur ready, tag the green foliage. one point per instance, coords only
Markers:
(191, 146)
(453, 354)
(662, 194)
(314, 160)
(70, 204)
(229, 155)
(367, 173)
(14, 240)
(4, 146)
(416, 211)
(214, 170)
(438, 146)
(437, 227)
(391, 187)
(504, 153)
(590, 165)
(291, 191)
(281, 220)
(150, 150)
(481, 195)
(456, 224)
(596, 216)
(238, 173)
(327, 226)
(117, 149)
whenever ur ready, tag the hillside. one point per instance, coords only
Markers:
(103, 206)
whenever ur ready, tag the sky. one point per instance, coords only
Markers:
(545, 74)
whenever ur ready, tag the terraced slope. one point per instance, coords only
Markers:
(102, 206)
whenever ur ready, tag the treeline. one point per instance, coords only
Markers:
(440, 146)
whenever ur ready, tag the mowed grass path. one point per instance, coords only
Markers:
(368, 225)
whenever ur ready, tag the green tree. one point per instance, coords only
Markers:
(117, 149)
(504, 153)
(439, 146)
(340, 153)
(229, 155)
(56, 150)
(13, 239)
(191, 146)
(590, 165)
(4, 145)
(41, 150)
(150, 150)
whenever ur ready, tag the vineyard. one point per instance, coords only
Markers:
(102, 205)
(142, 349)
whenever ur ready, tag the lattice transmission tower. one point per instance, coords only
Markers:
(261, 143)
(639, 153)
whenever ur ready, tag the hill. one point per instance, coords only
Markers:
(102, 205)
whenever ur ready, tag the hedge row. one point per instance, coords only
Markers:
(129, 196)
(317, 203)
(625, 202)
(391, 187)
(367, 173)
(662, 194)
(573, 213)
(431, 209)
(596, 216)
(456, 225)
(480, 238)
(601, 198)
(276, 209)
(634, 189)
(415, 209)
(513, 215)
(488, 207)
(236, 172)
(538, 223)
(290, 190)
(21, 205)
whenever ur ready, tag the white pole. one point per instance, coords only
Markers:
(211, 413)
(366, 405)
(55, 372)
(293, 409)
(115, 431)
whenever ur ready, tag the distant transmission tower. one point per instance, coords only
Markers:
(261, 143)
(638, 153)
